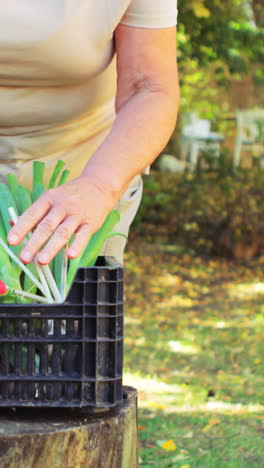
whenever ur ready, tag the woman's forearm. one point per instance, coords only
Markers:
(141, 130)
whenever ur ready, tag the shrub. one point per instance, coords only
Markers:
(213, 212)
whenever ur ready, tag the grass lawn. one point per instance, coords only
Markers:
(194, 349)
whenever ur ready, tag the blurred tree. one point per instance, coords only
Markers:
(258, 10)
(228, 30)
(219, 42)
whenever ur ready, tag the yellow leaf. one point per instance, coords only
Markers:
(212, 423)
(169, 445)
(207, 428)
(185, 466)
(153, 404)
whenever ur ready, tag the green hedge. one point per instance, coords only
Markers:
(210, 212)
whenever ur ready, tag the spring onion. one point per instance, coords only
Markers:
(91, 252)
(59, 166)
(37, 266)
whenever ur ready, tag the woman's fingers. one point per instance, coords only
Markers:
(42, 234)
(80, 240)
(58, 240)
(76, 207)
(28, 220)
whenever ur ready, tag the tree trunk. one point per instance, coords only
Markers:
(62, 438)
(257, 6)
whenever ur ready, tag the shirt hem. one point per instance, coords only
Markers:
(155, 22)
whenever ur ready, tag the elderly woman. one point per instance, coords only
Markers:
(92, 82)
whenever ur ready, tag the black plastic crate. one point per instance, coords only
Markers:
(70, 354)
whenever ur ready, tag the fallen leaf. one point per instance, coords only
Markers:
(211, 423)
(153, 404)
(147, 443)
(178, 458)
(214, 421)
(202, 451)
(169, 445)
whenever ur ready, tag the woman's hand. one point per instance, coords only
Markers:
(79, 206)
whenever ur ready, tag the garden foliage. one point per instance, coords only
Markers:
(211, 212)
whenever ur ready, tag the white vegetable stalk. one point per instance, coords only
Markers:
(28, 295)
(43, 281)
(64, 274)
(52, 283)
(45, 274)
(22, 266)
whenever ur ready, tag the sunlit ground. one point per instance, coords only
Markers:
(194, 349)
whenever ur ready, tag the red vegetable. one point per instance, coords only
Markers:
(3, 288)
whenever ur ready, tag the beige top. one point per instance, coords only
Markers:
(58, 77)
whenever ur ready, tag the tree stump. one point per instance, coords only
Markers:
(63, 438)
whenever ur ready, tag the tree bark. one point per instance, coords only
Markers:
(62, 438)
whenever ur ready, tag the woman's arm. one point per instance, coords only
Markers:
(146, 104)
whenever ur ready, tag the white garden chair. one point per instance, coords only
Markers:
(250, 135)
(197, 137)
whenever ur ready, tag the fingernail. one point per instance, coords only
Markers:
(26, 256)
(43, 257)
(72, 253)
(12, 239)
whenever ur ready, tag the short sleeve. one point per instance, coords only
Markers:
(151, 14)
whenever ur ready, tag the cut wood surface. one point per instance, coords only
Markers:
(63, 438)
